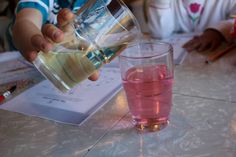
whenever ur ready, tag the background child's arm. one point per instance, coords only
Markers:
(225, 26)
(215, 34)
(160, 17)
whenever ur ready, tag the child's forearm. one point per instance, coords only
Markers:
(224, 27)
(28, 23)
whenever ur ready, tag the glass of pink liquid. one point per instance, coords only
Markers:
(147, 72)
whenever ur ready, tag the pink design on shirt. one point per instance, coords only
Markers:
(194, 7)
(194, 10)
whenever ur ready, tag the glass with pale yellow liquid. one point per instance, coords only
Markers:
(101, 30)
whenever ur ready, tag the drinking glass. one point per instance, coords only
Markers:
(101, 30)
(147, 74)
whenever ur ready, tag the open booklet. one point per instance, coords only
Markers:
(45, 101)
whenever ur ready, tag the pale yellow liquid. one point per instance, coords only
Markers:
(64, 70)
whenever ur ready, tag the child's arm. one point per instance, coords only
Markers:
(214, 35)
(31, 36)
(27, 34)
(224, 27)
(160, 17)
(210, 39)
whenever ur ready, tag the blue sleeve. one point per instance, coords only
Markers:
(41, 5)
(79, 3)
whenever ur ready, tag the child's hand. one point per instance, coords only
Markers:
(30, 36)
(209, 40)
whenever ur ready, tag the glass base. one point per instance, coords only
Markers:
(150, 125)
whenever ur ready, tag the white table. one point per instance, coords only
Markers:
(203, 122)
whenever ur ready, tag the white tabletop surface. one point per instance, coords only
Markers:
(202, 122)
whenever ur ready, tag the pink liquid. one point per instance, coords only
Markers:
(149, 94)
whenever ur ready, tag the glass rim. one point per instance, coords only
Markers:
(127, 9)
(122, 6)
(120, 2)
(152, 41)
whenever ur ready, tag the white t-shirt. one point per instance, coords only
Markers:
(166, 17)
